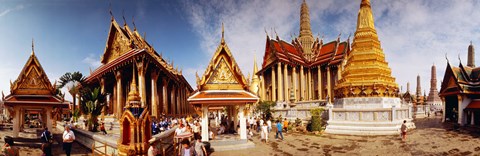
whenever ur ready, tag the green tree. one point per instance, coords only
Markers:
(72, 81)
(264, 107)
(91, 105)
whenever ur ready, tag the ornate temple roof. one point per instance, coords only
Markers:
(223, 82)
(277, 50)
(460, 80)
(123, 46)
(33, 87)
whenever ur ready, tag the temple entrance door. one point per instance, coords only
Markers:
(451, 103)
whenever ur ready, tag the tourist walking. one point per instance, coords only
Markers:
(186, 150)
(200, 147)
(265, 132)
(196, 129)
(279, 129)
(102, 128)
(46, 142)
(46, 135)
(68, 138)
(269, 124)
(404, 130)
(285, 125)
(153, 149)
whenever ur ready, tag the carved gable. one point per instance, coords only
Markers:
(118, 43)
(32, 80)
(222, 74)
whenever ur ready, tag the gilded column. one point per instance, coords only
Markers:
(295, 83)
(339, 73)
(114, 100)
(154, 92)
(102, 90)
(262, 90)
(309, 88)
(274, 85)
(280, 82)
(302, 84)
(285, 79)
(142, 68)
(165, 96)
(329, 87)
(119, 104)
(319, 84)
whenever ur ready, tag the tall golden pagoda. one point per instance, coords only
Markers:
(366, 73)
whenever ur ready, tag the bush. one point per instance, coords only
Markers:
(316, 122)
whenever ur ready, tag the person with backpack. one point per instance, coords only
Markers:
(47, 141)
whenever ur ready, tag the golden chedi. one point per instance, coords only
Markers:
(366, 73)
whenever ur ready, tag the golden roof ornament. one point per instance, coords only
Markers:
(133, 96)
(33, 47)
(223, 35)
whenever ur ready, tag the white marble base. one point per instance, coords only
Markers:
(367, 102)
(368, 116)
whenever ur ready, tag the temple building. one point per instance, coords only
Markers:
(433, 100)
(162, 87)
(367, 97)
(223, 85)
(460, 91)
(33, 98)
(305, 69)
(407, 97)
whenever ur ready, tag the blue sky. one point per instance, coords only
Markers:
(70, 35)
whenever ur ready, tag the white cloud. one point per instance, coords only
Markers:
(92, 60)
(8, 10)
(413, 34)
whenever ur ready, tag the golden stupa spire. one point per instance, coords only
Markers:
(305, 37)
(366, 72)
(133, 95)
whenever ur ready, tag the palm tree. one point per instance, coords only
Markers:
(91, 105)
(72, 81)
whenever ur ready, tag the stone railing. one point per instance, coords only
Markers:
(87, 139)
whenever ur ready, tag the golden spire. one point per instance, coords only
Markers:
(133, 94)
(223, 34)
(360, 70)
(255, 68)
(365, 17)
(305, 37)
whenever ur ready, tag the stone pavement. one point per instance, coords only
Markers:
(430, 138)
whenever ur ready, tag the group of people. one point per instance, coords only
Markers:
(265, 127)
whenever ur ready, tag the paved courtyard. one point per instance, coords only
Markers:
(430, 138)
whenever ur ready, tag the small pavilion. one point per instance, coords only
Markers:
(222, 85)
(32, 95)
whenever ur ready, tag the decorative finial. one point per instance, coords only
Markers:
(133, 22)
(223, 34)
(110, 10)
(124, 20)
(471, 43)
(33, 47)
(459, 58)
(265, 29)
(446, 57)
